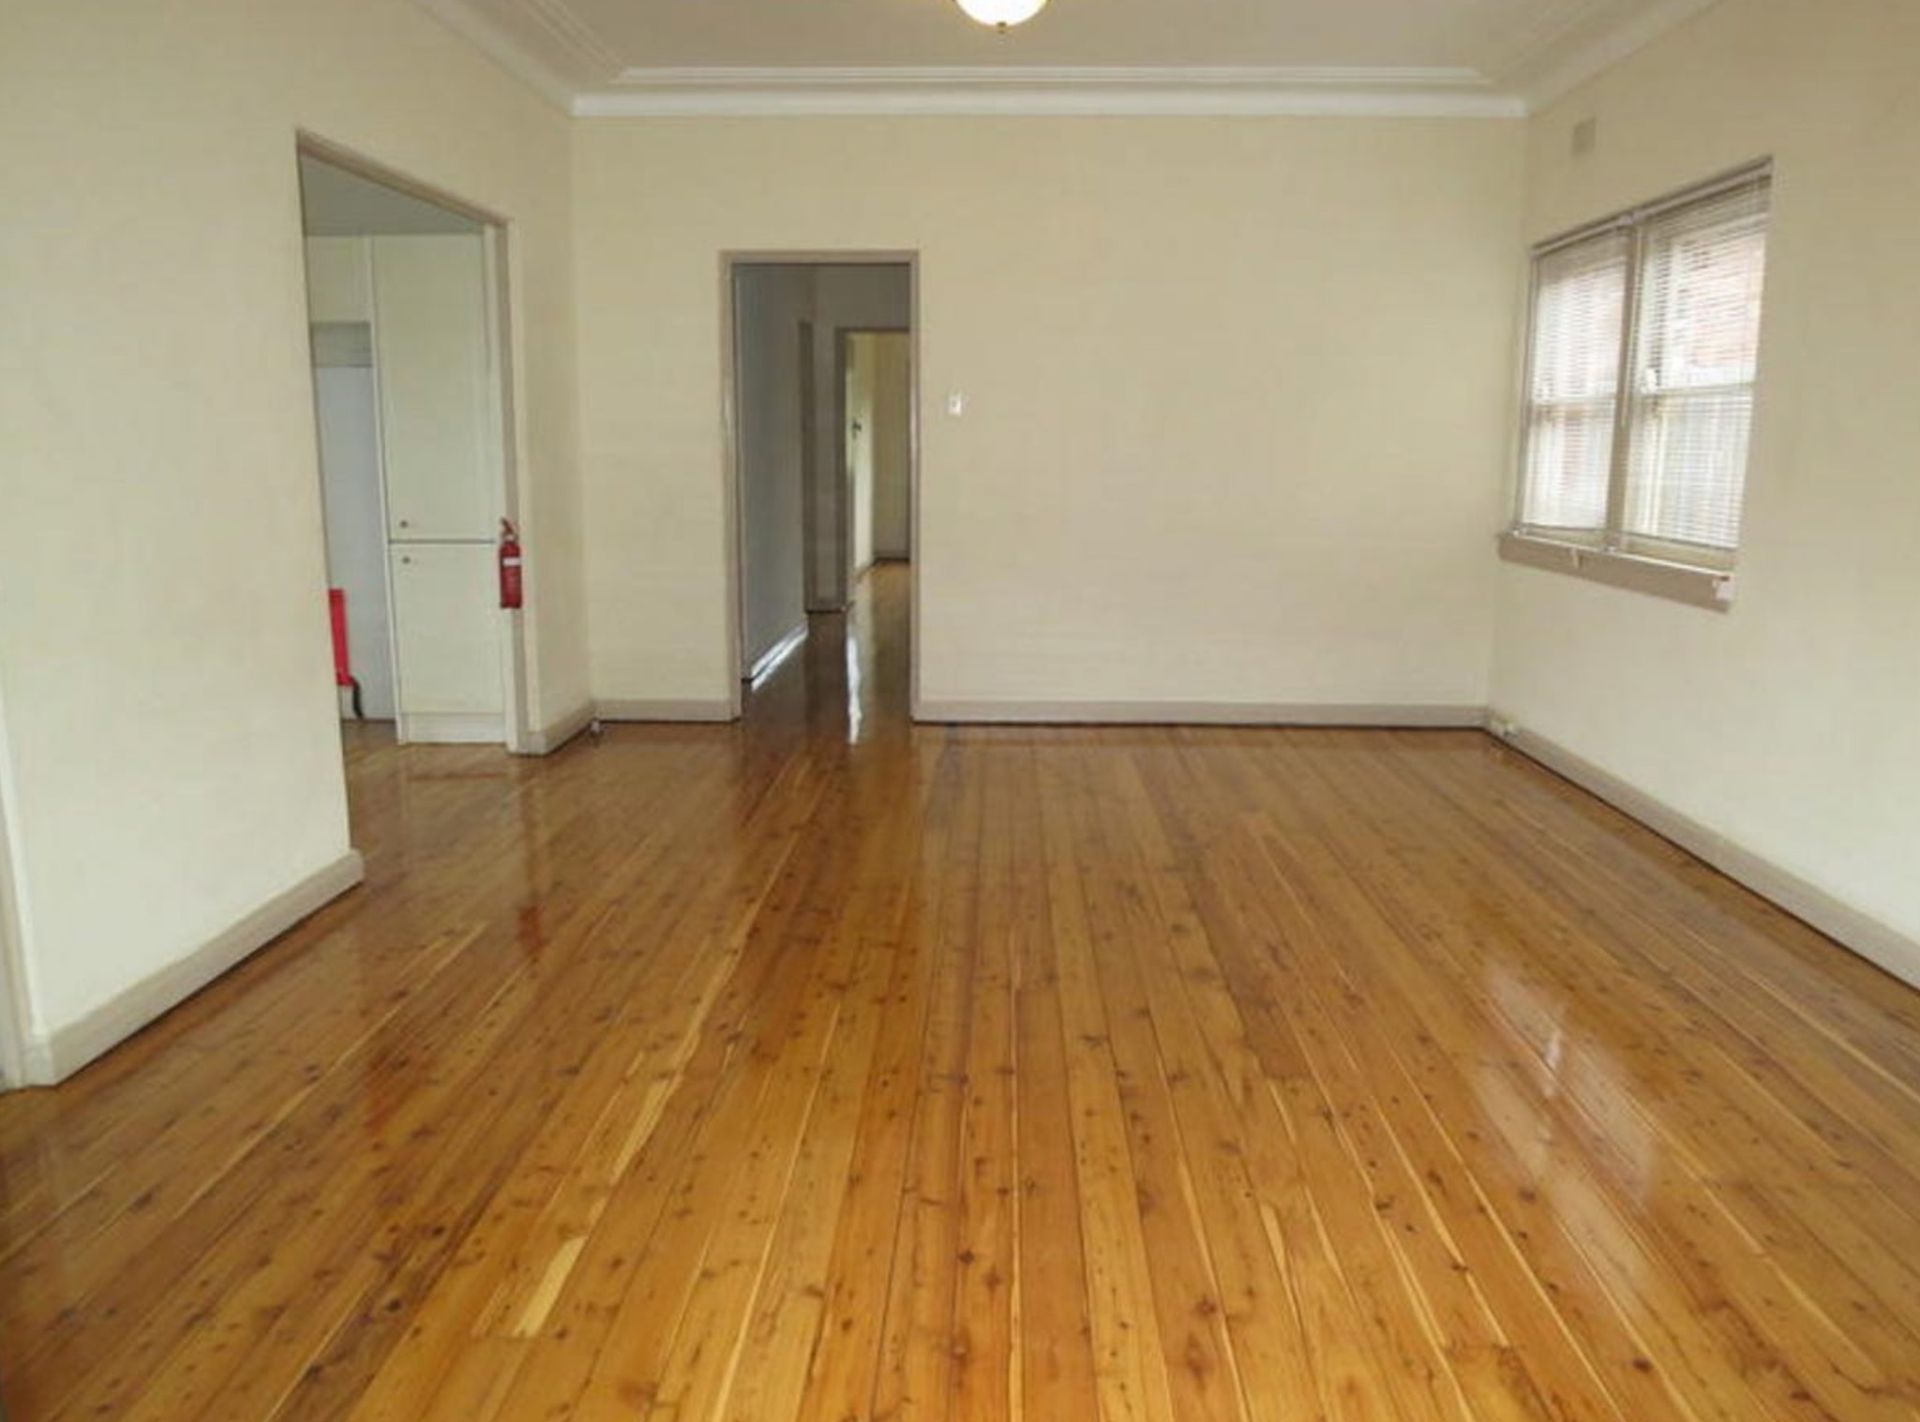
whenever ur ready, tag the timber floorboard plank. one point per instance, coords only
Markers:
(832, 1068)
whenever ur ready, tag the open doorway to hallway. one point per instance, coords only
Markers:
(407, 315)
(876, 397)
(823, 456)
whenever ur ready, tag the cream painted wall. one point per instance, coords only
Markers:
(1787, 724)
(163, 633)
(1239, 393)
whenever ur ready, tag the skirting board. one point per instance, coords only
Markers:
(450, 728)
(1878, 943)
(59, 1055)
(702, 711)
(551, 737)
(1195, 713)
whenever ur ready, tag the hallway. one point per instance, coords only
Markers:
(827, 1067)
(853, 670)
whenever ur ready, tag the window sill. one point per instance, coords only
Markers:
(1711, 588)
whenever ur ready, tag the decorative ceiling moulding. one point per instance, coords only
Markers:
(1036, 90)
(504, 49)
(548, 46)
(580, 41)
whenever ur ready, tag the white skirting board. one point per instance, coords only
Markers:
(65, 1051)
(1873, 940)
(552, 737)
(555, 734)
(1196, 713)
(450, 728)
(700, 711)
(59, 1055)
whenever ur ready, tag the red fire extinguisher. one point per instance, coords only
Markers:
(510, 582)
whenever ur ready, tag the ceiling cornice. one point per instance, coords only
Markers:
(1544, 68)
(505, 50)
(583, 45)
(1033, 90)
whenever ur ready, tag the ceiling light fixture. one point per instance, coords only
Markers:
(1002, 15)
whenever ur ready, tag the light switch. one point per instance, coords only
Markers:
(957, 404)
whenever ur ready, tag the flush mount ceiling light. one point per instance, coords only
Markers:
(1002, 15)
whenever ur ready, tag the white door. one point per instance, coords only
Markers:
(436, 406)
(447, 628)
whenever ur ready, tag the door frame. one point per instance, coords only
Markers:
(497, 255)
(733, 530)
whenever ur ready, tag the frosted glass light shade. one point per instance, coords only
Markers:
(1002, 13)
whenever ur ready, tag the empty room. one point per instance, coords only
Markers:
(886, 710)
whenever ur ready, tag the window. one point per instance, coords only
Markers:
(1640, 374)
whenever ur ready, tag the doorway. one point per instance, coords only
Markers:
(822, 451)
(877, 444)
(408, 320)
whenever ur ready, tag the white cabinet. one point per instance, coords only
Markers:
(437, 414)
(339, 281)
(432, 486)
(446, 626)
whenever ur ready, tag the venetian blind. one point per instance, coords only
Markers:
(1703, 267)
(1578, 308)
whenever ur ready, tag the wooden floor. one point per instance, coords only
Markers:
(827, 1068)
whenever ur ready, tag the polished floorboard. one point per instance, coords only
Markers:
(827, 1068)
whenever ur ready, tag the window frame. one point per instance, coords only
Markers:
(1688, 572)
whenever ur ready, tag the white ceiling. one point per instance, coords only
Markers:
(1076, 56)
